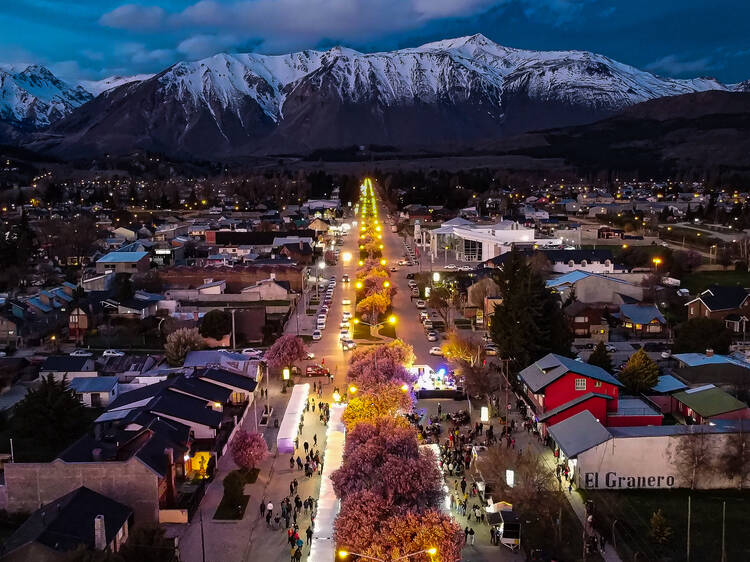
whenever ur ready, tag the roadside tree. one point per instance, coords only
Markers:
(216, 324)
(248, 449)
(179, 343)
(285, 351)
(600, 357)
(640, 373)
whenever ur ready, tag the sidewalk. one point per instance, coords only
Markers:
(250, 538)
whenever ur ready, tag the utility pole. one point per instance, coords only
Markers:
(723, 531)
(234, 340)
(688, 531)
(203, 541)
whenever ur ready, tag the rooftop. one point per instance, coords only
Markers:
(93, 384)
(579, 433)
(551, 367)
(709, 400)
(122, 257)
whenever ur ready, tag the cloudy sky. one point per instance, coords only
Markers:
(98, 38)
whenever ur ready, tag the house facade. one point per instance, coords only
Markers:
(719, 302)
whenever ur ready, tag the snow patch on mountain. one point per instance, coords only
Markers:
(96, 87)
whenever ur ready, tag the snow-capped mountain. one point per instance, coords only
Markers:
(32, 97)
(96, 87)
(456, 90)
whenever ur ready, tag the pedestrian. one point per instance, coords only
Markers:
(471, 535)
(299, 463)
(268, 517)
(291, 463)
(466, 535)
(570, 487)
(602, 542)
(492, 535)
(315, 439)
(463, 485)
(306, 446)
(296, 485)
(439, 410)
(309, 534)
(291, 487)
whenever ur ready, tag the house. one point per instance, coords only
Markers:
(708, 402)
(9, 331)
(242, 387)
(66, 366)
(94, 392)
(123, 262)
(598, 288)
(721, 302)
(591, 261)
(299, 252)
(81, 517)
(558, 387)
(587, 321)
(269, 289)
(642, 320)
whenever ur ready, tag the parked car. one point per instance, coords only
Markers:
(346, 315)
(436, 351)
(344, 335)
(309, 355)
(491, 350)
(412, 283)
(344, 324)
(113, 353)
(252, 352)
(451, 266)
(346, 301)
(317, 335)
(347, 345)
(610, 347)
(316, 371)
(428, 324)
(345, 278)
(410, 275)
(432, 336)
(421, 304)
(81, 353)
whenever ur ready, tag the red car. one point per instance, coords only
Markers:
(316, 371)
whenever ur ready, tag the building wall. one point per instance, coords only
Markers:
(563, 390)
(597, 406)
(30, 485)
(699, 310)
(632, 421)
(596, 289)
(646, 462)
(138, 267)
(237, 278)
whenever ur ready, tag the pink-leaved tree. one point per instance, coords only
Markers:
(248, 449)
(285, 351)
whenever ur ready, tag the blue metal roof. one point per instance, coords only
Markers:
(668, 383)
(93, 384)
(122, 257)
(698, 359)
(641, 314)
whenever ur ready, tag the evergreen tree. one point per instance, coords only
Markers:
(640, 372)
(600, 357)
(47, 420)
(529, 323)
(216, 324)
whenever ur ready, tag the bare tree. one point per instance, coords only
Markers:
(693, 455)
(734, 460)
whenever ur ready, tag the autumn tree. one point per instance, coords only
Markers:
(459, 348)
(372, 306)
(398, 350)
(180, 342)
(285, 351)
(640, 373)
(439, 299)
(384, 400)
(377, 371)
(600, 357)
(248, 449)
(480, 380)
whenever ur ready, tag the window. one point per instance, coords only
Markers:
(580, 384)
(706, 311)
(581, 319)
(692, 311)
(598, 384)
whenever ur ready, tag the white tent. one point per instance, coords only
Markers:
(290, 423)
(323, 547)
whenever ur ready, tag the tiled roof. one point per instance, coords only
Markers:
(65, 363)
(641, 314)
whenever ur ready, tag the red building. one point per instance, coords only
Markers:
(559, 387)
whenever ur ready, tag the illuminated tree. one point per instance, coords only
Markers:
(397, 349)
(384, 400)
(285, 351)
(369, 373)
(372, 306)
(248, 449)
(457, 347)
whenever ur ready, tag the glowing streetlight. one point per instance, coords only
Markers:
(392, 320)
(336, 398)
(353, 390)
(386, 284)
(383, 261)
(358, 284)
(285, 373)
(405, 387)
(361, 262)
(436, 276)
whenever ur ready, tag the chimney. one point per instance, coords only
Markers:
(171, 495)
(709, 353)
(100, 533)
(272, 276)
(208, 280)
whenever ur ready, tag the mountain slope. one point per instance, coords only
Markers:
(32, 97)
(96, 87)
(453, 91)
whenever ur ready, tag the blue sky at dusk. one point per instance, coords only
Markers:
(98, 38)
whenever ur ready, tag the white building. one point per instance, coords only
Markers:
(462, 240)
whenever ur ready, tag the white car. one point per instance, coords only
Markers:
(346, 302)
(428, 324)
(412, 283)
(252, 352)
(317, 335)
(432, 336)
(465, 268)
(346, 315)
(451, 266)
(113, 353)
(344, 325)
(81, 353)
(321, 325)
(421, 304)
(346, 345)
(436, 351)
(610, 347)
(344, 335)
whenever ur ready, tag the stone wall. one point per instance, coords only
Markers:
(30, 485)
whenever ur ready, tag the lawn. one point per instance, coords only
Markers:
(632, 512)
(699, 281)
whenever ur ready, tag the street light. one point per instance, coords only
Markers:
(353, 389)
(383, 261)
(436, 276)
(285, 373)
(337, 399)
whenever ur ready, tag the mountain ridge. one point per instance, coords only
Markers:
(463, 89)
